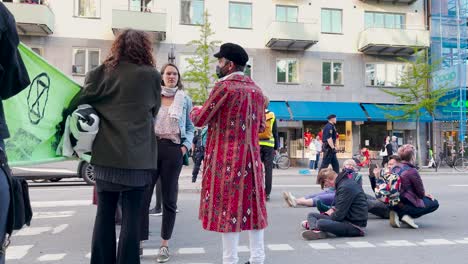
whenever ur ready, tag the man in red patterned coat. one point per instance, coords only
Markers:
(232, 195)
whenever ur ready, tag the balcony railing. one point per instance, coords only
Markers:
(292, 35)
(396, 42)
(145, 19)
(33, 17)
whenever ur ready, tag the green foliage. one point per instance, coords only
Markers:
(199, 75)
(414, 93)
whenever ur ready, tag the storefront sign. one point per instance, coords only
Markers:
(446, 78)
(404, 125)
(290, 124)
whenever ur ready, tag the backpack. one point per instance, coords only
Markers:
(388, 187)
(268, 132)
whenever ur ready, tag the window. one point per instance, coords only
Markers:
(85, 60)
(286, 71)
(384, 20)
(191, 12)
(286, 13)
(380, 74)
(88, 8)
(332, 72)
(140, 6)
(331, 21)
(248, 68)
(240, 15)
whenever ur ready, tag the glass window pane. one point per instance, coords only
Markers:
(292, 14)
(234, 15)
(281, 71)
(134, 5)
(337, 73)
(391, 75)
(380, 74)
(93, 59)
(399, 21)
(326, 20)
(197, 12)
(280, 13)
(89, 8)
(246, 16)
(336, 21)
(379, 20)
(79, 56)
(326, 72)
(370, 74)
(292, 71)
(389, 21)
(369, 20)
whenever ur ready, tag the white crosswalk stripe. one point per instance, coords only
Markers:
(68, 203)
(243, 249)
(191, 251)
(59, 229)
(436, 242)
(360, 244)
(58, 214)
(51, 257)
(321, 246)
(397, 243)
(32, 231)
(280, 247)
(17, 252)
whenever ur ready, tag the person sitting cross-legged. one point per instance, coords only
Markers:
(349, 216)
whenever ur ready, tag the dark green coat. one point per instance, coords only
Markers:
(127, 99)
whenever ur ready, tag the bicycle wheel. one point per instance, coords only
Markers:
(450, 161)
(461, 164)
(283, 163)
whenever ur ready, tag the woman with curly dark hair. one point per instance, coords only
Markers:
(126, 93)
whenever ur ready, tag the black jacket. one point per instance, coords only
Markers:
(13, 75)
(350, 201)
(127, 99)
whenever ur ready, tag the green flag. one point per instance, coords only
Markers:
(32, 116)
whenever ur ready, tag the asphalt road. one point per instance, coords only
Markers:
(62, 227)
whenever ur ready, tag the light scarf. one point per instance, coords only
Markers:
(176, 110)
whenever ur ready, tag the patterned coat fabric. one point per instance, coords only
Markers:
(232, 195)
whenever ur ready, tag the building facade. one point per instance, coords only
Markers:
(311, 58)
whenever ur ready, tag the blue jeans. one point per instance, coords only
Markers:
(312, 164)
(4, 204)
(317, 161)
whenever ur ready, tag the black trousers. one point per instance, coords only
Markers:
(199, 156)
(267, 155)
(377, 207)
(339, 229)
(103, 247)
(329, 157)
(406, 208)
(170, 162)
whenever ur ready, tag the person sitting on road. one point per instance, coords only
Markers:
(414, 201)
(349, 216)
(326, 197)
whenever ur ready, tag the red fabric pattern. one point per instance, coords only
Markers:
(232, 195)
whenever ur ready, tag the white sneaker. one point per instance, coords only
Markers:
(409, 221)
(290, 199)
(394, 219)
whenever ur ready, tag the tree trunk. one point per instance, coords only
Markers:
(418, 142)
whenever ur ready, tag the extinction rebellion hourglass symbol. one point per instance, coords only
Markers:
(37, 98)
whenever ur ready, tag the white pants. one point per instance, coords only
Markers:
(231, 242)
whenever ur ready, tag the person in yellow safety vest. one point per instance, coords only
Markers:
(268, 146)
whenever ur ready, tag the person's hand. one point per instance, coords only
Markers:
(430, 196)
(184, 150)
(377, 172)
(330, 212)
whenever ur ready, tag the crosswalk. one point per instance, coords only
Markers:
(50, 212)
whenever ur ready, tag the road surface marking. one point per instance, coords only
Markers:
(51, 257)
(458, 185)
(150, 252)
(360, 244)
(33, 231)
(191, 251)
(398, 243)
(436, 242)
(65, 203)
(59, 229)
(88, 256)
(280, 247)
(58, 214)
(462, 241)
(48, 170)
(17, 252)
(321, 246)
(74, 189)
(243, 249)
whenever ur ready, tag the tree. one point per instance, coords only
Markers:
(199, 75)
(415, 94)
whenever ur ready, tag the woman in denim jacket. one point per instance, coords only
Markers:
(174, 131)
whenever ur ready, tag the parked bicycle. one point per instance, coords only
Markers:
(281, 161)
(454, 160)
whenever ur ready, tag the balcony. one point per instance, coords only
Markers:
(409, 2)
(32, 19)
(393, 42)
(292, 35)
(153, 23)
